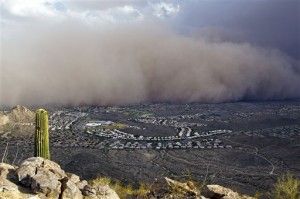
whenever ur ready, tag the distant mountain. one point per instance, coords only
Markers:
(4, 119)
(18, 120)
(21, 114)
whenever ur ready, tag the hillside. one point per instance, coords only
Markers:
(19, 120)
(263, 145)
(40, 178)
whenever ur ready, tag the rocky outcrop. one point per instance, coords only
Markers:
(40, 178)
(9, 187)
(189, 190)
(99, 192)
(219, 192)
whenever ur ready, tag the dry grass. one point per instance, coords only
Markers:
(143, 190)
(287, 187)
(100, 181)
(124, 191)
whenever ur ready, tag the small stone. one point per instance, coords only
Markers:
(81, 184)
(188, 188)
(88, 190)
(105, 192)
(7, 171)
(217, 191)
(74, 178)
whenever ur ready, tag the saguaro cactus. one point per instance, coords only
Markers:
(41, 140)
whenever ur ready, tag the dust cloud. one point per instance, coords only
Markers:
(71, 64)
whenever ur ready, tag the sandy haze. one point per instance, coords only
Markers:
(70, 65)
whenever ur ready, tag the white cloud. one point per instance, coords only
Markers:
(118, 13)
(30, 8)
(57, 10)
(111, 15)
(164, 9)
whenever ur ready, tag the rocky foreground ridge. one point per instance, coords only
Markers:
(38, 178)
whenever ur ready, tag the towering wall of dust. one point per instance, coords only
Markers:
(68, 64)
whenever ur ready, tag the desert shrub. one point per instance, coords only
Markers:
(287, 187)
(100, 181)
(142, 191)
(124, 191)
(177, 192)
(258, 195)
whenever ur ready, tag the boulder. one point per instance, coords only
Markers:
(7, 171)
(28, 169)
(70, 190)
(7, 174)
(105, 192)
(219, 192)
(46, 183)
(41, 175)
(6, 185)
(99, 192)
(38, 178)
(31, 166)
(9, 189)
(188, 189)
(74, 178)
(88, 190)
(81, 184)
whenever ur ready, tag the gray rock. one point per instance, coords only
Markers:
(188, 188)
(70, 190)
(41, 175)
(89, 191)
(217, 191)
(41, 179)
(74, 178)
(28, 169)
(45, 182)
(99, 192)
(9, 189)
(31, 166)
(81, 184)
(6, 185)
(105, 192)
(7, 171)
